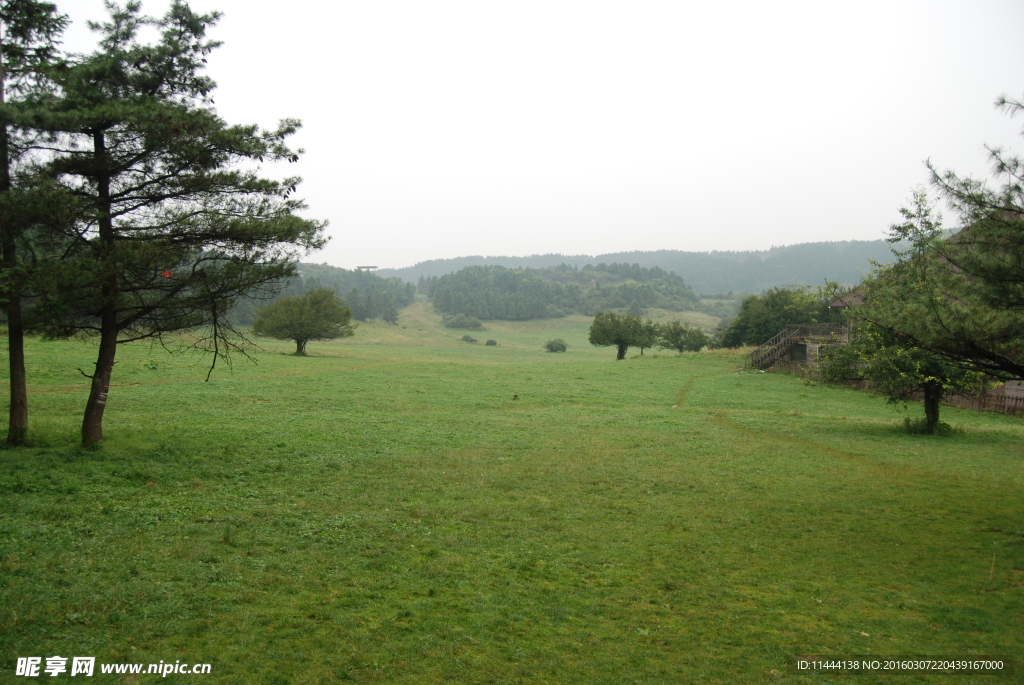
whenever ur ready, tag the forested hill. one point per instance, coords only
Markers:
(497, 292)
(368, 295)
(705, 272)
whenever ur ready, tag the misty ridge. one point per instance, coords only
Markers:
(747, 271)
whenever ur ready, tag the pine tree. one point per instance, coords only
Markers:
(174, 232)
(28, 42)
(390, 315)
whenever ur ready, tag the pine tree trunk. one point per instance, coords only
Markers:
(92, 424)
(932, 397)
(17, 428)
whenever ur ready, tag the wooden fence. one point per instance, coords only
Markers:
(996, 401)
(1003, 404)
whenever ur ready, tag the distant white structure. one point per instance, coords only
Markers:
(366, 268)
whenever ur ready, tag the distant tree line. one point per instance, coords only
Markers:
(624, 331)
(365, 293)
(497, 292)
(750, 271)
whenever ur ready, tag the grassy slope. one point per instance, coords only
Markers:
(383, 511)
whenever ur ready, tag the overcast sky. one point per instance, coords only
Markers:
(436, 128)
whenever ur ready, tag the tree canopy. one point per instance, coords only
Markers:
(621, 332)
(678, 336)
(317, 315)
(962, 295)
(898, 369)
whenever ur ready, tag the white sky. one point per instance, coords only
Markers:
(451, 128)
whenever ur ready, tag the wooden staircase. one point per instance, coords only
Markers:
(822, 333)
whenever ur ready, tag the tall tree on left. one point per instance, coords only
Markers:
(179, 223)
(28, 38)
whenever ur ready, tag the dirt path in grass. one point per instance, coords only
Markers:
(681, 397)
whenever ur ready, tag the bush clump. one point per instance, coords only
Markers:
(469, 323)
(491, 342)
(468, 338)
(556, 345)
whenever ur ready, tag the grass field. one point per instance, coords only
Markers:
(384, 511)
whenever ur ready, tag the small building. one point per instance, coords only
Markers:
(850, 299)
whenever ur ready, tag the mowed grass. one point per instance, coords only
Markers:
(384, 511)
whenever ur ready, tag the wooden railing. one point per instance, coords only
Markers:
(768, 352)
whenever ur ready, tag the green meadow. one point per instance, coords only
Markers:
(404, 507)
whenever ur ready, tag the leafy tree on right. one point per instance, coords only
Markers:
(898, 370)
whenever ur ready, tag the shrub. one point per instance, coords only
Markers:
(462, 321)
(491, 342)
(556, 345)
(468, 338)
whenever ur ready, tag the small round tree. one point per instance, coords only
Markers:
(317, 315)
(621, 332)
(556, 345)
